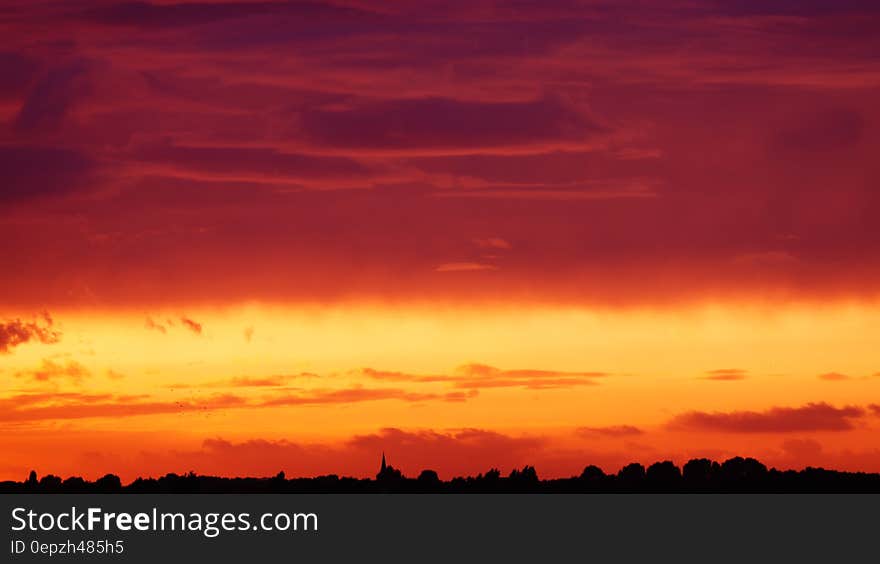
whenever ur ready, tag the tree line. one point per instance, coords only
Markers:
(735, 475)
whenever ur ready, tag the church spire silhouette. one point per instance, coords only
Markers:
(388, 472)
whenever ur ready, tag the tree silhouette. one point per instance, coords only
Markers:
(109, 483)
(74, 484)
(700, 472)
(736, 474)
(631, 477)
(593, 473)
(523, 480)
(663, 476)
(741, 473)
(50, 483)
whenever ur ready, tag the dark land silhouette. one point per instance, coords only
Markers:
(735, 475)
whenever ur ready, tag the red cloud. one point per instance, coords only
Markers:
(612, 431)
(193, 326)
(449, 452)
(273, 381)
(51, 370)
(268, 381)
(725, 375)
(153, 325)
(811, 417)
(493, 243)
(483, 376)
(428, 449)
(834, 377)
(45, 407)
(17, 332)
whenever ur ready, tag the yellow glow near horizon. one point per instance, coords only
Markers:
(660, 345)
(655, 362)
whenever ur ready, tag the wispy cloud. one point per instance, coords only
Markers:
(358, 395)
(51, 370)
(151, 324)
(725, 375)
(494, 243)
(464, 267)
(61, 406)
(475, 376)
(192, 325)
(840, 377)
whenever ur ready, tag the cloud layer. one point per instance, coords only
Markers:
(810, 417)
(488, 151)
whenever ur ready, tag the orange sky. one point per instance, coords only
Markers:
(239, 237)
(146, 392)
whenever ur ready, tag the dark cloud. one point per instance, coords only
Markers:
(810, 417)
(553, 168)
(17, 71)
(53, 96)
(798, 8)
(16, 332)
(443, 123)
(574, 193)
(613, 431)
(253, 164)
(147, 15)
(33, 172)
(823, 131)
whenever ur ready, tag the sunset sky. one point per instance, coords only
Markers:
(244, 237)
